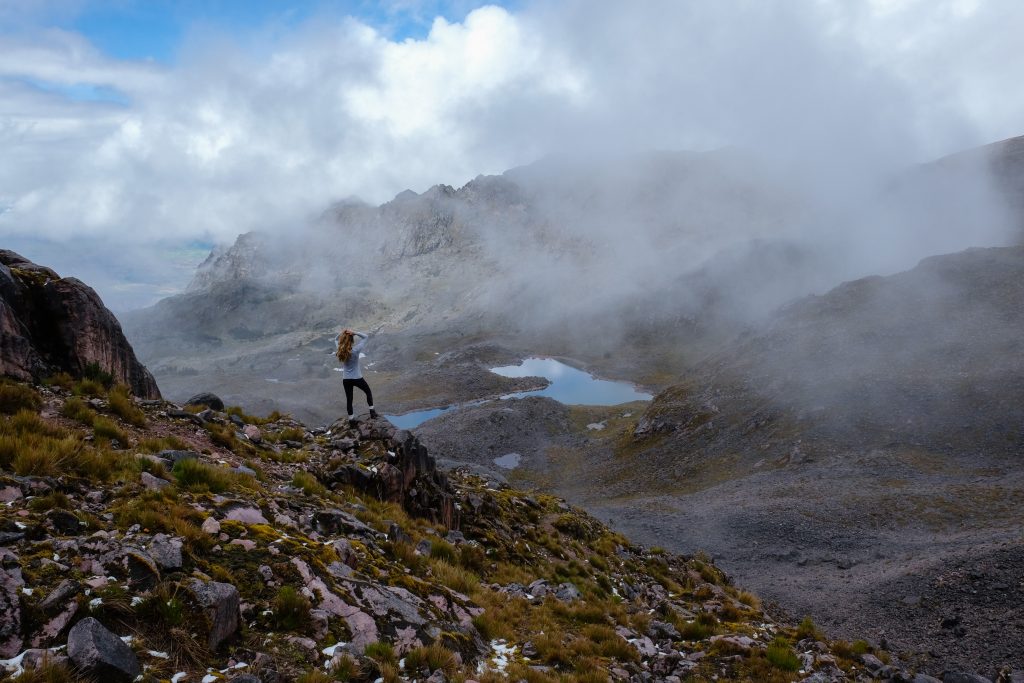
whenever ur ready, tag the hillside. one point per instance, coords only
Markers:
(190, 544)
(845, 459)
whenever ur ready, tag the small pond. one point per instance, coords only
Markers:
(567, 385)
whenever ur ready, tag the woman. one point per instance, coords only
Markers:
(348, 354)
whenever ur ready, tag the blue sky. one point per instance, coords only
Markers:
(154, 29)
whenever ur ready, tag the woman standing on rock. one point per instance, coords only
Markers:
(348, 354)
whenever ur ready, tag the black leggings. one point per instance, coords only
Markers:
(361, 383)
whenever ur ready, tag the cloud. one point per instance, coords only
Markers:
(261, 131)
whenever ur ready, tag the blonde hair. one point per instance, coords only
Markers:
(345, 346)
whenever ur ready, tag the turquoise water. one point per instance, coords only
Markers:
(571, 386)
(567, 385)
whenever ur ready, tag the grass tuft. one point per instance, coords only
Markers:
(122, 405)
(17, 397)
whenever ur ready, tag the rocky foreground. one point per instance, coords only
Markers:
(141, 540)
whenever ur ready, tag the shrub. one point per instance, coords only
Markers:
(193, 475)
(749, 599)
(808, 629)
(315, 676)
(17, 397)
(163, 443)
(88, 387)
(782, 656)
(444, 551)
(60, 379)
(431, 658)
(381, 652)
(456, 578)
(94, 372)
(291, 610)
(345, 669)
(105, 429)
(49, 672)
(308, 483)
(76, 409)
(700, 628)
(288, 434)
(121, 404)
(51, 501)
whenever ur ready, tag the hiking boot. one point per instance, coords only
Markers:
(373, 413)
(352, 423)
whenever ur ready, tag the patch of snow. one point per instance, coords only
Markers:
(329, 651)
(157, 653)
(28, 591)
(180, 676)
(210, 678)
(127, 640)
(136, 601)
(95, 602)
(500, 657)
(13, 665)
(20, 525)
(596, 426)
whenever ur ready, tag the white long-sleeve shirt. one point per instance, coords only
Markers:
(351, 366)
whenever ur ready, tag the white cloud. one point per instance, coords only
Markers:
(248, 133)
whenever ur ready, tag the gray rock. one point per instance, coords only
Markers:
(247, 515)
(246, 678)
(100, 653)
(437, 677)
(567, 592)
(662, 630)
(58, 598)
(166, 551)
(964, 677)
(211, 526)
(397, 535)
(206, 399)
(10, 612)
(175, 456)
(252, 432)
(36, 657)
(925, 678)
(153, 483)
(337, 521)
(220, 602)
(9, 494)
(871, 662)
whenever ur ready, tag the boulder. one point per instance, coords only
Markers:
(100, 653)
(50, 324)
(219, 602)
(207, 399)
(166, 551)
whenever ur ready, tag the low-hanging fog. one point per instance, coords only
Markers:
(672, 137)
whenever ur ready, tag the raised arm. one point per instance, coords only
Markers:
(359, 345)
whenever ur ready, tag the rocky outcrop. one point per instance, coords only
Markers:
(50, 324)
(403, 473)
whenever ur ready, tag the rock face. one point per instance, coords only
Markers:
(50, 324)
(96, 650)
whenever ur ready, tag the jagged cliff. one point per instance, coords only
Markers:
(51, 324)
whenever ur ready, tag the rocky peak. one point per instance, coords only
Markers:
(52, 324)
